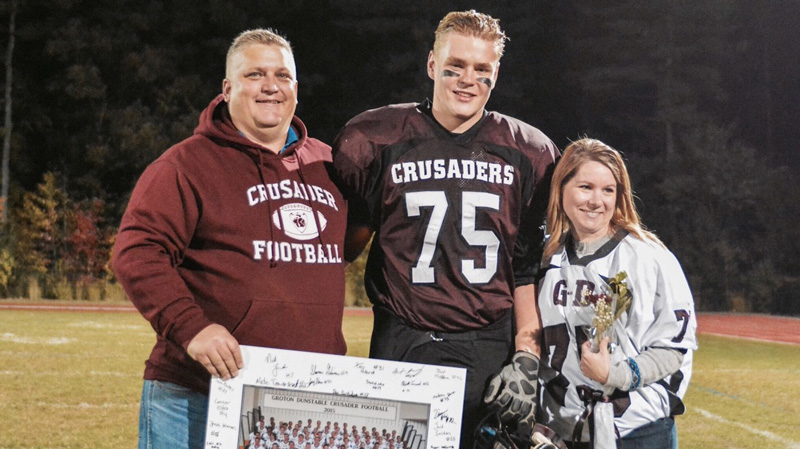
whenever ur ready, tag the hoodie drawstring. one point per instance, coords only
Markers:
(260, 167)
(308, 201)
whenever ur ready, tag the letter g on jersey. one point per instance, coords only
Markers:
(297, 221)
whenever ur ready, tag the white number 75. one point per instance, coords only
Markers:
(422, 272)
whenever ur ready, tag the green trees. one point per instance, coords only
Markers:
(715, 205)
(7, 120)
(700, 96)
(650, 71)
(655, 80)
(61, 248)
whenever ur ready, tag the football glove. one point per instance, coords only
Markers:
(513, 392)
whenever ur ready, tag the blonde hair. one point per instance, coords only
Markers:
(264, 36)
(471, 23)
(625, 215)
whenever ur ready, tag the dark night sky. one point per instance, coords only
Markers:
(758, 65)
(358, 54)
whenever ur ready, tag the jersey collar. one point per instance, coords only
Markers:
(426, 107)
(601, 252)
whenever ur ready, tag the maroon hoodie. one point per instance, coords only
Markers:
(221, 230)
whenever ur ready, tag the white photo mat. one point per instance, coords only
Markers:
(345, 384)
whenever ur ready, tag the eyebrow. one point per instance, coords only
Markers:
(453, 61)
(265, 69)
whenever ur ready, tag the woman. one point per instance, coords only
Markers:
(631, 385)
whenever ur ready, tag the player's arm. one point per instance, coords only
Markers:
(513, 391)
(526, 315)
(355, 240)
(353, 155)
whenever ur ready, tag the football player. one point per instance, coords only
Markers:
(455, 196)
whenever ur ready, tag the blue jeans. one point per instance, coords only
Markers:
(171, 417)
(661, 434)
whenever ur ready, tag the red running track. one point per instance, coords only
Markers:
(751, 326)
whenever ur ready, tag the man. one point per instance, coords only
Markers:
(257, 443)
(271, 438)
(455, 197)
(254, 439)
(218, 232)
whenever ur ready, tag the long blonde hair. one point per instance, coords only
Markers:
(625, 215)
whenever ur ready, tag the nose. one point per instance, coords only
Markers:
(594, 201)
(270, 84)
(467, 77)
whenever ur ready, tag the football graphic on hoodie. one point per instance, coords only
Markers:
(297, 221)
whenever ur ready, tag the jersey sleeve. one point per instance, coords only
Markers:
(528, 248)
(353, 155)
(665, 297)
(678, 316)
(530, 242)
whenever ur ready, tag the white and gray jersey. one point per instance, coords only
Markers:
(661, 315)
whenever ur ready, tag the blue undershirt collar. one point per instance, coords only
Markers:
(291, 138)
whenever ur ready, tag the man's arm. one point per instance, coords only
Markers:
(153, 235)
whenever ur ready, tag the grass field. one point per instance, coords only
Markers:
(73, 379)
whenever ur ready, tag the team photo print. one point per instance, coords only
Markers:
(286, 399)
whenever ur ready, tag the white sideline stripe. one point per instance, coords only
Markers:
(71, 373)
(769, 435)
(112, 326)
(11, 338)
(85, 406)
(761, 340)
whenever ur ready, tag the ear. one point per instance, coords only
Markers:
(431, 66)
(226, 90)
(496, 74)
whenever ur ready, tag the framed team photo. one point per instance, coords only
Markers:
(283, 397)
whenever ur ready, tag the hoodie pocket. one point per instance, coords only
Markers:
(292, 325)
(242, 320)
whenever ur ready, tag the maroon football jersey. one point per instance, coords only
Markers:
(457, 217)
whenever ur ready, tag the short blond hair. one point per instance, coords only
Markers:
(471, 23)
(264, 36)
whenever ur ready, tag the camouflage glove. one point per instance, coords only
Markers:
(513, 391)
